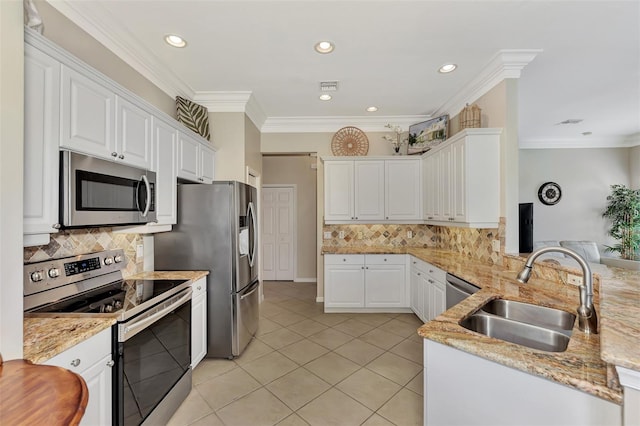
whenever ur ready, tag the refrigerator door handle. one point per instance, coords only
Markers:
(252, 232)
(256, 285)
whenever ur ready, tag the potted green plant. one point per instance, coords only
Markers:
(623, 209)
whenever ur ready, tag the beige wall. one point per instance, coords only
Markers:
(228, 133)
(297, 170)
(585, 176)
(634, 167)
(11, 172)
(252, 155)
(318, 142)
(75, 40)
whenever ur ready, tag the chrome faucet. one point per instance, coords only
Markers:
(587, 319)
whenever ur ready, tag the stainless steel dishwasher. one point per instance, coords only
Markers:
(458, 290)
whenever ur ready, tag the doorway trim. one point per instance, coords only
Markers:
(294, 186)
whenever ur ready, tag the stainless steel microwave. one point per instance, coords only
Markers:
(95, 192)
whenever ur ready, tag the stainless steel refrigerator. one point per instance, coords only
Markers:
(216, 231)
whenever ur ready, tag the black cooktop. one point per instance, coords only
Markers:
(119, 296)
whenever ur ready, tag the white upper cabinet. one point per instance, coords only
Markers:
(369, 190)
(165, 164)
(41, 130)
(462, 180)
(97, 122)
(373, 190)
(196, 162)
(338, 191)
(207, 163)
(403, 190)
(133, 142)
(87, 115)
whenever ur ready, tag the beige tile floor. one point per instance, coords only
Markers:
(308, 367)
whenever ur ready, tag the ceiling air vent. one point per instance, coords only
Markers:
(328, 86)
(571, 121)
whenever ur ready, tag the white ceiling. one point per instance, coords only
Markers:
(387, 54)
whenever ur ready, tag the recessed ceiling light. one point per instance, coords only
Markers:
(325, 97)
(447, 68)
(372, 109)
(324, 47)
(175, 40)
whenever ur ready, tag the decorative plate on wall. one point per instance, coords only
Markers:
(350, 141)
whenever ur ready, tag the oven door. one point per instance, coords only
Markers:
(153, 353)
(98, 192)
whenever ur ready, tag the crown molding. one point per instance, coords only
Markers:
(223, 101)
(633, 140)
(507, 63)
(334, 123)
(241, 101)
(125, 46)
(585, 142)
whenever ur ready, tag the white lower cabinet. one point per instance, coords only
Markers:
(358, 281)
(427, 285)
(198, 321)
(92, 360)
(462, 389)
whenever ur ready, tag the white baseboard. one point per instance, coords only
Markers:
(319, 299)
(305, 280)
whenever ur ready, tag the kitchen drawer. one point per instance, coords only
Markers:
(199, 287)
(344, 259)
(385, 259)
(419, 264)
(85, 354)
(436, 273)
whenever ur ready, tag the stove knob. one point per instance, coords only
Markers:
(108, 261)
(117, 258)
(37, 276)
(54, 273)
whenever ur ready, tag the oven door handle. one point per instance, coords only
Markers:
(129, 330)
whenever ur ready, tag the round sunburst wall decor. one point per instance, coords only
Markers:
(350, 141)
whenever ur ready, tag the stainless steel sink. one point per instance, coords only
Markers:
(532, 336)
(530, 314)
(534, 326)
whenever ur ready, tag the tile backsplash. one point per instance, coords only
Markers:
(72, 242)
(475, 243)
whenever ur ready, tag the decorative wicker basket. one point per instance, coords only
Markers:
(470, 117)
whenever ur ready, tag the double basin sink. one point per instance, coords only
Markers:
(534, 326)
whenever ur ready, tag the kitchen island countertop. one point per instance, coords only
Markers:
(583, 365)
(47, 336)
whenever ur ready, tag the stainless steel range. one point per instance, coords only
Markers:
(152, 337)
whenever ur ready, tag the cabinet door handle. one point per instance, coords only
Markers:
(111, 363)
(114, 154)
(430, 281)
(419, 273)
(387, 217)
(199, 287)
(362, 267)
(56, 226)
(366, 267)
(431, 271)
(385, 259)
(121, 157)
(75, 362)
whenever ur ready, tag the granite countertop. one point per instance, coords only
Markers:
(583, 365)
(46, 337)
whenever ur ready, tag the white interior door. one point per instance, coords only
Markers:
(278, 233)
